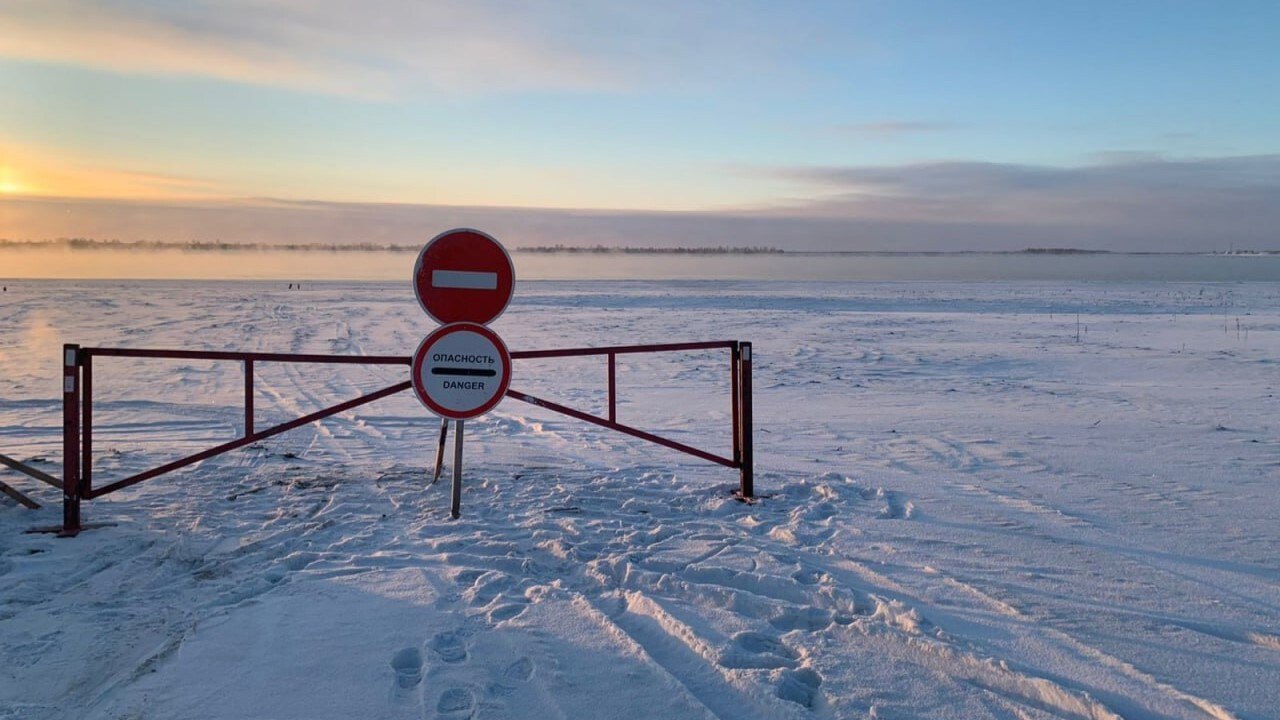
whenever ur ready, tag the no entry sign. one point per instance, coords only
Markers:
(463, 275)
(461, 371)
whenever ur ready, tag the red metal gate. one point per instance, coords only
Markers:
(77, 404)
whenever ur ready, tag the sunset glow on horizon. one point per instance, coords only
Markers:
(870, 125)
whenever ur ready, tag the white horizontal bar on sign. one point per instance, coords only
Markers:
(464, 280)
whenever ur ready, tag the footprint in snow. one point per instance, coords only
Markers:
(505, 612)
(800, 686)
(809, 618)
(449, 646)
(519, 670)
(754, 642)
(516, 673)
(407, 664)
(469, 576)
(488, 588)
(456, 703)
(752, 650)
(807, 577)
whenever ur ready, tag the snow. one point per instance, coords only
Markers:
(968, 512)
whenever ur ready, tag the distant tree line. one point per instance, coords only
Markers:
(1064, 251)
(630, 250)
(215, 246)
(219, 246)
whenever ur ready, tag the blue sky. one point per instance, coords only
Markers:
(740, 109)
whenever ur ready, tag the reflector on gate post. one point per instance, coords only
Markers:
(464, 275)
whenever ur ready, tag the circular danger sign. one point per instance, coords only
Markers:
(461, 371)
(464, 275)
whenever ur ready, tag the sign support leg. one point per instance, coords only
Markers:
(455, 500)
(444, 433)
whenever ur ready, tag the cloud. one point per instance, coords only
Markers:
(1126, 198)
(394, 48)
(890, 129)
(1139, 204)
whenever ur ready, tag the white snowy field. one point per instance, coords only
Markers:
(967, 512)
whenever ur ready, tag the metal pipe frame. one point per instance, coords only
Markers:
(77, 401)
(613, 387)
(746, 463)
(621, 349)
(250, 439)
(248, 397)
(249, 356)
(625, 429)
(86, 424)
(71, 491)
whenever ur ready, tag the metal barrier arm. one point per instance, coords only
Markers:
(250, 356)
(740, 400)
(249, 439)
(30, 471)
(77, 401)
(621, 349)
(627, 429)
(84, 484)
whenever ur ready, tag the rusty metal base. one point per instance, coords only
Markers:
(753, 500)
(60, 532)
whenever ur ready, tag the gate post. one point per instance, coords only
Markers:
(747, 488)
(86, 425)
(248, 398)
(735, 394)
(70, 440)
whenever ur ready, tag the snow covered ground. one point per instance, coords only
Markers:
(969, 514)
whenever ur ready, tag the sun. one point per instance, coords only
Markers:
(9, 184)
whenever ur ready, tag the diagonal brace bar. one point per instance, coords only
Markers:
(28, 470)
(19, 497)
(627, 429)
(249, 439)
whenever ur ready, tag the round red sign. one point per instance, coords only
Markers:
(461, 371)
(464, 275)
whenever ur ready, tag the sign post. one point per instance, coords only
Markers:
(444, 433)
(463, 279)
(455, 490)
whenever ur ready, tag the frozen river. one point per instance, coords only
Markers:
(982, 500)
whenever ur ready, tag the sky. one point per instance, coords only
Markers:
(855, 125)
